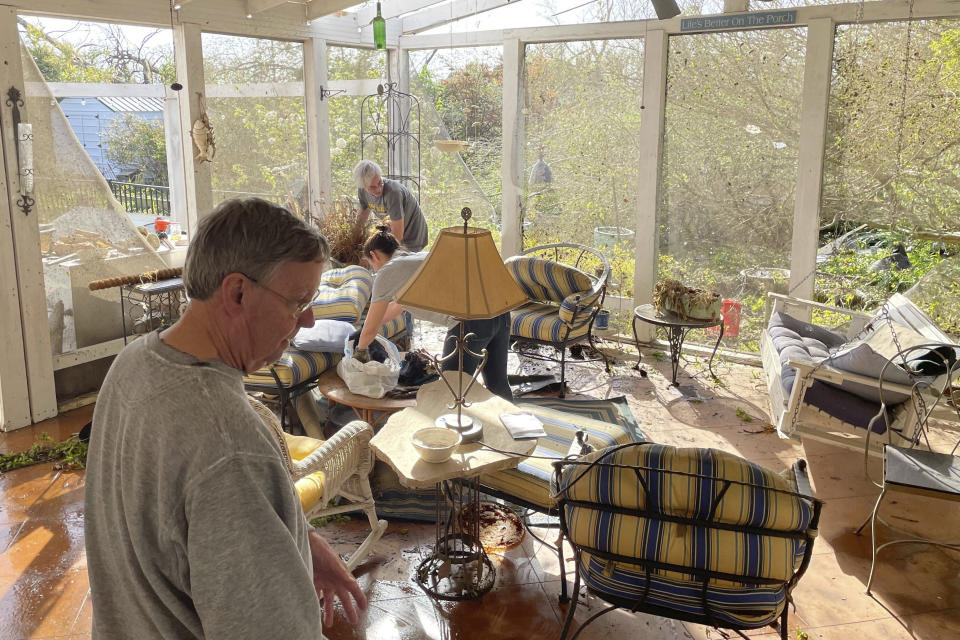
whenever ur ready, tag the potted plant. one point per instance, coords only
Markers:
(689, 304)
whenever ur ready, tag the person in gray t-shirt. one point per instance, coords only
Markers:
(193, 527)
(390, 198)
(394, 268)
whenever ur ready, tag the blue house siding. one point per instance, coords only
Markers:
(90, 120)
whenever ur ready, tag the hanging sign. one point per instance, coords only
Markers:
(739, 21)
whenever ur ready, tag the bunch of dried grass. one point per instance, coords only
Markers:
(339, 226)
(672, 295)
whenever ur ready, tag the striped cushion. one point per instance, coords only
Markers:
(546, 280)
(394, 327)
(530, 481)
(736, 552)
(344, 294)
(540, 321)
(293, 367)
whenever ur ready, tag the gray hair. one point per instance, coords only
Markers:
(249, 236)
(364, 172)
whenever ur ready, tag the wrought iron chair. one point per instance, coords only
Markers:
(912, 469)
(336, 468)
(566, 284)
(693, 534)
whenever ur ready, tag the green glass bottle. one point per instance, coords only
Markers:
(379, 30)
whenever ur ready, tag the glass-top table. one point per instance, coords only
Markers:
(677, 329)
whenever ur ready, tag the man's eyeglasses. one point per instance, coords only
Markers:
(298, 305)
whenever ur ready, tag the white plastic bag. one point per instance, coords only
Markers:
(372, 379)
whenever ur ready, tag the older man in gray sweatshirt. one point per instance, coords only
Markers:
(193, 526)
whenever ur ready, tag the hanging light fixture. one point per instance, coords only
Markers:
(379, 30)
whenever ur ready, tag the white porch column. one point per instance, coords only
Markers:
(197, 176)
(27, 390)
(513, 138)
(651, 155)
(319, 178)
(817, 70)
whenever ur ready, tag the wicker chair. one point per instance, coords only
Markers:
(564, 300)
(336, 468)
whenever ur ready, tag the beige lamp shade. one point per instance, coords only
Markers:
(463, 277)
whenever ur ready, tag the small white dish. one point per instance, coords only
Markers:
(435, 444)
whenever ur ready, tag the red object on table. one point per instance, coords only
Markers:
(730, 311)
(160, 224)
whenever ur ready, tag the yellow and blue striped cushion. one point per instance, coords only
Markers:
(394, 327)
(344, 294)
(538, 321)
(293, 367)
(530, 480)
(734, 551)
(546, 280)
(310, 487)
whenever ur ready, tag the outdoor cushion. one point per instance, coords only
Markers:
(798, 340)
(530, 480)
(324, 335)
(548, 281)
(344, 294)
(751, 544)
(293, 367)
(310, 487)
(540, 321)
(868, 357)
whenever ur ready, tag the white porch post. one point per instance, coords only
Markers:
(817, 70)
(33, 396)
(318, 125)
(651, 155)
(197, 176)
(513, 137)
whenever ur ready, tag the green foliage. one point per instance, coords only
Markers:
(69, 454)
(325, 520)
(743, 415)
(135, 142)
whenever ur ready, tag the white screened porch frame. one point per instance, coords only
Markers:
(316, 28)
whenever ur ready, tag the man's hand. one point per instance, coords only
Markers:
(362, 355)
(332, 580)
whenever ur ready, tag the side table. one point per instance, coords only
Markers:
(457, 568)
(677, 329)
(151, 304)
(335, 390)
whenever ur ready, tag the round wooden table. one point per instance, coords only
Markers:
(367, 409)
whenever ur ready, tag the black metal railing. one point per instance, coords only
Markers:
(142, 198)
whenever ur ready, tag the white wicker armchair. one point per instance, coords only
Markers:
(324, 470)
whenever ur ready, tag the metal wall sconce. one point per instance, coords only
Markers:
(24, 152)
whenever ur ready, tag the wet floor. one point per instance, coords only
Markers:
(44, 591)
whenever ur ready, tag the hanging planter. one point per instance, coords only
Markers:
(450, 146)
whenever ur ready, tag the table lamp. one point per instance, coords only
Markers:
(464, 277)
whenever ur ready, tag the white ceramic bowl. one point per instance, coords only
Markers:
(435, 444)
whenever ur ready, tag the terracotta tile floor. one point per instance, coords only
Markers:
(43, 579)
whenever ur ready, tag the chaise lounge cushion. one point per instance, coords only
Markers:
(530, 480)
(761, 534)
